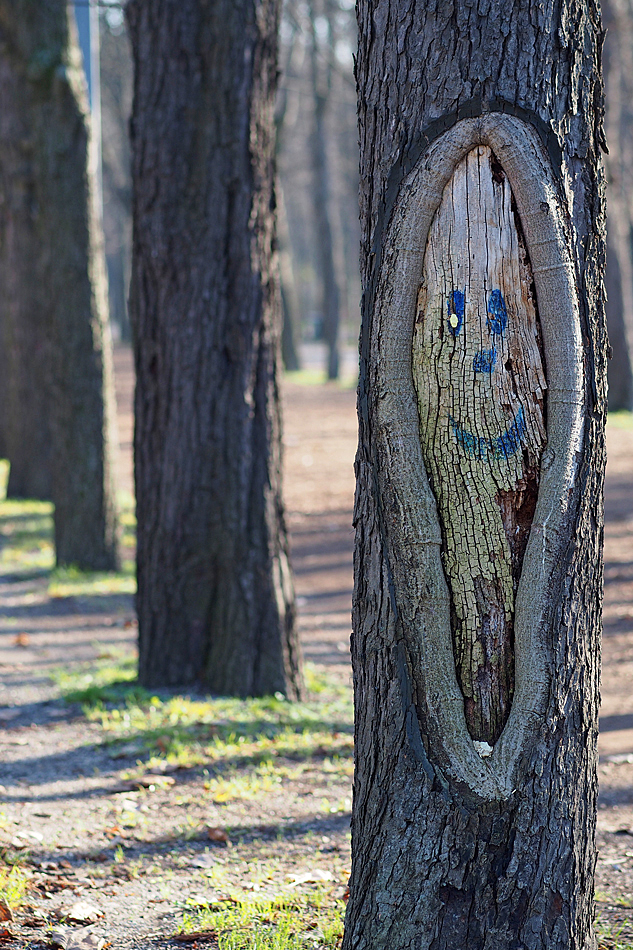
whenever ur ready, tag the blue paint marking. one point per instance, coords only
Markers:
(484, 361)
(497, 313)
(455, 307)
(502, 447)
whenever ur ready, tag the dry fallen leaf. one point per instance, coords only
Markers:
(83, 912)
(21, 639)
(217, 834)
(82, 939)
(5, 934)
(5, 911)
(312, 877)
(23, 838)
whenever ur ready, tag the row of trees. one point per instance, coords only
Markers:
(317, 185)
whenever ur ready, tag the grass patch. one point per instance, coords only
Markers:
(318, 377)
(622, 419)
(613, 937)
(248, 745)
(27, 548)
(297, 923)
(26, 536)
(111, 680)
(71, 582)
(13, 885)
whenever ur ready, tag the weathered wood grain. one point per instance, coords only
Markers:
(480, 381)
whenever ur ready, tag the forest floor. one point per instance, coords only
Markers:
(159, 820)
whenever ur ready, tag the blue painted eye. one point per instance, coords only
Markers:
(484, 361)
(455, 308)
(497, 313)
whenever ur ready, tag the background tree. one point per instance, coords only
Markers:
(441, 861)
(318, 156)
(215, 598)
(116, 107)
(618, 77)
(54, 305)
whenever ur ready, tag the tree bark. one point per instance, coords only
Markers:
(56, 313)
(23, 354)
(215, 597)
(458, 842)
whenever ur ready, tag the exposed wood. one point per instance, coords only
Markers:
(480, 382)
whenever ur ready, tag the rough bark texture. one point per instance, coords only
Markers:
(618, 79)
(437, 862)
(56, 308)
(480, 382)
(215, 599)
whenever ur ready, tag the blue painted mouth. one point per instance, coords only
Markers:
(484, 361)
(502, 447)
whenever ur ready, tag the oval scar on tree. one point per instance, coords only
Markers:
(480, 381)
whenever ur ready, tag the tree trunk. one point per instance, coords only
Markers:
(330, 294)
(289, 296)
(23, 307)
(215, 597)
(618, 78)
(482, 400)
(58, 308)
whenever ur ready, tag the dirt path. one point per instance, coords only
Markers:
(140, 854)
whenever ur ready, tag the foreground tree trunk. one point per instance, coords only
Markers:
(482, 399)
(215, 597)
(54, 290)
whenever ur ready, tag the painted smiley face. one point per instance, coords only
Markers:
(480, 383)
(508, 442)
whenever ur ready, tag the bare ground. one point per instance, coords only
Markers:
(64, 809)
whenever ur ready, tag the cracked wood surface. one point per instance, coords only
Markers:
(479, 377)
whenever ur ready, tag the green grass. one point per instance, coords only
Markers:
(285, 923)
(71, 582)
(27, 548)
(248, 745)
(13, 885)
(620, 420)
(110, 680)
(26, 537)
(318, 377)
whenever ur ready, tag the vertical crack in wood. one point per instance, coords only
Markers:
(478, 370)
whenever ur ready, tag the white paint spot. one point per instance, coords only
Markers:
(483, 748)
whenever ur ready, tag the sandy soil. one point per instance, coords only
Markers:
(62, 788)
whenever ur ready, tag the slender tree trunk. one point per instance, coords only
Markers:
(478, 572)
(215, 597)
(57, 303)
(289, 295)
(618, 77)
(330, 293)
